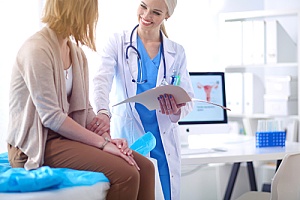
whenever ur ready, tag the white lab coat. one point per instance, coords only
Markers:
(114, 74)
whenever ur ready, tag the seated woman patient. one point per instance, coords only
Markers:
(51, 121)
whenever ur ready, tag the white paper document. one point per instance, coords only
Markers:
(149, 97)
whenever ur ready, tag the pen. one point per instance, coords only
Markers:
(175, 78)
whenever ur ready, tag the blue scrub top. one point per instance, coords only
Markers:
(148, 118)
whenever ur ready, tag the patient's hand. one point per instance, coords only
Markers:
(127, 155)
(106, 134)
(123, 146)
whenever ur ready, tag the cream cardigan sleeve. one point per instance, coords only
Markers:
(35, 100)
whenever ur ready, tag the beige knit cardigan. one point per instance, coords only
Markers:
(38, 98)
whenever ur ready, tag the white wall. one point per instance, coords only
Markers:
(195, 26)
(281, 4)
(285, 22)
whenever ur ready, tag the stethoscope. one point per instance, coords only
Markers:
(164, 81)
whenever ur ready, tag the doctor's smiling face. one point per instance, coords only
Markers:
(151, 14)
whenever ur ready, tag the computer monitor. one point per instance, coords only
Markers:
(206, 118)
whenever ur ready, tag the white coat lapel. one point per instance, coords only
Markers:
(130, 71)
(130, 65)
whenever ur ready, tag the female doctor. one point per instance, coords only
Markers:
(135, 61)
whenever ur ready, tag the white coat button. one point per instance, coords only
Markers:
(169, 154)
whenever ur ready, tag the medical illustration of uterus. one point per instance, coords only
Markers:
(207, 89)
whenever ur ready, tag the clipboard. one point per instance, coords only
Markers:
(149, 97)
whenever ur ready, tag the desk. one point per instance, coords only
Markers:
(238, 149)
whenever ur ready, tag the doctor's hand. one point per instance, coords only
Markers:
(112, 148)
(100, 124)
(168, 105)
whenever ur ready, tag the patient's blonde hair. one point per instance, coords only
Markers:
(73, 18)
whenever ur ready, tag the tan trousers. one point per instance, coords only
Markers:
(126, 181)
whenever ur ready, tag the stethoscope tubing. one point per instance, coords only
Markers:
(139, 55)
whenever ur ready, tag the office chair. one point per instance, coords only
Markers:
(291, 127)
(285, 183)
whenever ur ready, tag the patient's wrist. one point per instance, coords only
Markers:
(106, 141)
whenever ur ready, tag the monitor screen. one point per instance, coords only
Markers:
(209, 86)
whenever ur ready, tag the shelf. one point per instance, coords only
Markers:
(284, 68)
(275, 65)
(261, 116)
(243, 57)
(257, 15)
